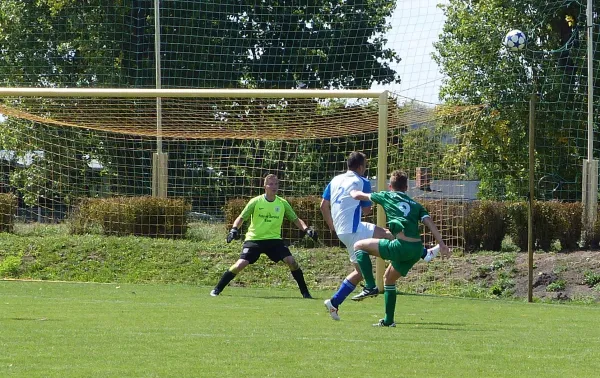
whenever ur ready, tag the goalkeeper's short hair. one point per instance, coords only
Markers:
(269, 177)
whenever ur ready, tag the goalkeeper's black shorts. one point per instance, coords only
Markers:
(275, 249)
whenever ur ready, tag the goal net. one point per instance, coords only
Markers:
(219, 147)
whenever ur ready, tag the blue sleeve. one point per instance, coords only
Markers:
(366, 189)
(327, 193)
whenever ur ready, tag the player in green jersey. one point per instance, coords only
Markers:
(403, 216)
(266, 213)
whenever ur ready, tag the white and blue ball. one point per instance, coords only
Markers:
(515, 40)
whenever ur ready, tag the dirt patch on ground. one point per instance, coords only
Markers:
(572, 276)
(575, 269)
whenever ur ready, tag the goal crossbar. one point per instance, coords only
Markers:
(212, 93)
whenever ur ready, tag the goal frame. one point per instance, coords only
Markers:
(159, 174)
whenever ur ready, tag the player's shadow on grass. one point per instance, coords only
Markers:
(32, 319)
(299, 297)
(442, 326)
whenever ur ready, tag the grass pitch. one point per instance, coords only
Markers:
(124, 330)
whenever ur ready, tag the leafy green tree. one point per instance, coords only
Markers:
(232, 43)
(48, 43)
(480, 70)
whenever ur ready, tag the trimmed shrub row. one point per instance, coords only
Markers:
(485, 225)
(143, 216)
(482, 224)
(551, 221)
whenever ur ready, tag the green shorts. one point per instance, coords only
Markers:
(402, 254)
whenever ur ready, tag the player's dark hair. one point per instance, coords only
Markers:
(399, 180)
(356, 159)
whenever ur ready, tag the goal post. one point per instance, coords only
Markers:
(382, 173)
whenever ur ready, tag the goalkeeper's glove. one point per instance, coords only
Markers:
(233, 234)
(311, 233)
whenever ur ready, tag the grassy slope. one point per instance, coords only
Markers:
(48, 252)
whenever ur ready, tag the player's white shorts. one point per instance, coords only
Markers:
(363, 231)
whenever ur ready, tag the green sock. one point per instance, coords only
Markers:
(390, 303)
(366, 268)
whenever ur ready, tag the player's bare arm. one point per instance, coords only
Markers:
(300, 224)
(367, 210)
(234, 233)
(444, 250)
(237, 223)
(359, 195)
(326, 211)
(310, 232)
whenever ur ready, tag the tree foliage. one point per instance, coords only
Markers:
(480, 71)
(204, 44)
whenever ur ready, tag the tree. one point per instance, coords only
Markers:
(232, 43)
(50, 43)
(480, 71)
(226, 44)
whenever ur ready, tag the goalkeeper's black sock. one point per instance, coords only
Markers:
(225, 279)
(299, 277)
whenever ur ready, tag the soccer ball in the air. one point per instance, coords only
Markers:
(515, 40)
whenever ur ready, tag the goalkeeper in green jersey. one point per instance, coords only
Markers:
(266, 213)
(403, 216)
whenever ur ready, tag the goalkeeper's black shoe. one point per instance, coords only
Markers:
(307, 295)
(366, 293)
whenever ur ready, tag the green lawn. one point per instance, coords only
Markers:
(124, 330)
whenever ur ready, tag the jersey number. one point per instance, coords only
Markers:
(404, 208)
(338, 194)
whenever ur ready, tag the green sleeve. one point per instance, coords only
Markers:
(377, 197)
(290, 214)
(249, 209)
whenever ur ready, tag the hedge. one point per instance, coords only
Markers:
(142, 216)
(481, 224)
